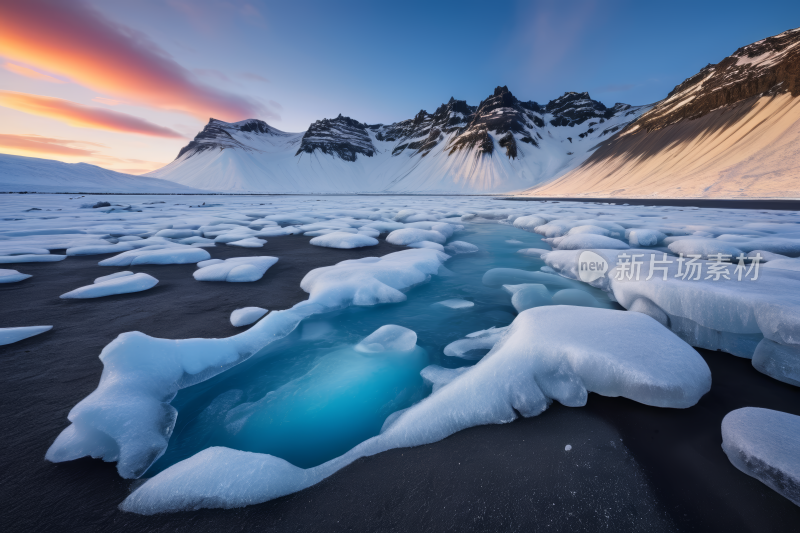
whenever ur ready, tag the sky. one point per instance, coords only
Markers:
(124, 85)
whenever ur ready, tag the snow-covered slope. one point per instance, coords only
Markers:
(731, 130)
(31, 174)
(501, 145)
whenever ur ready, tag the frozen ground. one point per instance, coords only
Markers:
(419, 277)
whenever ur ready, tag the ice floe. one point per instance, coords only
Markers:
(116, 285)
(12, 335)
(339, 239)
(158, 255)
(12, 276)
(235, 269)
(764, 444)
(246, 316)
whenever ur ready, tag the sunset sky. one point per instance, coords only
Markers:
(125, 85)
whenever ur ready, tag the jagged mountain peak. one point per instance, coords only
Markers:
(342, 136)
(220, 135)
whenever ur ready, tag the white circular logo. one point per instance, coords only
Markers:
(591, 266)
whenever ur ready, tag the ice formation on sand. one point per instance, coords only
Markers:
(30, 258)
(718, 314)
(339, 239)
(11, 276)
(116, 285)
(235, 269)
(113, 276)
(12, 335)
(765, 444)
(456, 303)
(246, 316)
(542, 357)
(128, 418)
(158, 255)
(250, 242)
(778, 361)
(389, 338)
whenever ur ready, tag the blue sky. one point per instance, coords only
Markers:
(375, 61)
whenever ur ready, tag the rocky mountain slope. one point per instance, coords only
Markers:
(731, 130)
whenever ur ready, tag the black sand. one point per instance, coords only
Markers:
(515, 477)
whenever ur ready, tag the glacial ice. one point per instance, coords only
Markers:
(12, 335)
(346, 241)
(389, 338)
(117, 285)
(704, 248)
(437, 376)
(616, 353)
(644, 237)
(100, 249)
(158, 255)
(479, 340)
(236, 269)
(529, 295)
(246, 316)
(12, 276)
(764, 444)
(582, 241)
(426, 244)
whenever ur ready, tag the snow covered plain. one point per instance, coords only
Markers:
(757, 315)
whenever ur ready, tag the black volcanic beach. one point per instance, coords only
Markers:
(631, 467)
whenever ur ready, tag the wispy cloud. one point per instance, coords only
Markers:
(549, 30)
(107, 101)
(30, 73)
(45, 145)
(82, 116)
(253, 77)
(74, 40)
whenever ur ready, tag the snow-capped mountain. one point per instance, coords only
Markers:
(32, 174)
(501, 145)
(732, 129)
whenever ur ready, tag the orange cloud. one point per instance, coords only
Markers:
(82, 116)
(30, 73)
(73, 39)
(43, 145)
(107, 101)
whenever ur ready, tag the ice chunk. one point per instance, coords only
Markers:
(236, 269)
(384, 225)
(455, 303)
(346, 241)
(119, 285)
(784, 264)
(460, 247)
(389, 338)
(583, 241)
(12, 335)
(178, 233)
(113, 276)
(574, 297)
(480, 340)
(426, 244)
(529, 222)
(158, 255)
(497, 277)
(437, 376)
(209, 262)
(764, 444)
(246, 316)
(11, 276)
(30, 258)
(645, 237)
(251, 242)
(778, 361)
(529, 295)
(408, 235)
(19, 250)
(537, 253)
(704, 248)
